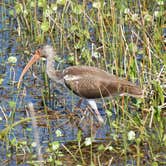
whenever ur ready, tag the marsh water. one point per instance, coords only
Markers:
(14, 101)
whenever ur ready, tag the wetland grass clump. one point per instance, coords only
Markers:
(125, 38)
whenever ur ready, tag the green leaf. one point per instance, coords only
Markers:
(61, 2)
(132, 47)
(50, 159)
(148, 17)
(74, 28)
(58, 162)
(154, 163)
(32, 4)
(22, 142)
(11, 12)
(42, 3)
(45, 26)
(101, 147)
(1, 80)
(109, 113)
(77, 9)
(55, 145)
(70, 59)
(13, 141)
(18, 8)
(12, 104)
(79, 135)
(54, 7)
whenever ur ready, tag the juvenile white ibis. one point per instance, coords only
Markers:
(87, 82)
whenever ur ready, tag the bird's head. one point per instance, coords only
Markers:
(43, 51)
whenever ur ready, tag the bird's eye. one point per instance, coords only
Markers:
(37, 52)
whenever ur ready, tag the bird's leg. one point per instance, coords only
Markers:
(79, 103)
(93, 105)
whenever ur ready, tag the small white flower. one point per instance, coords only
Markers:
(12, 59)
(97, 5)
(160, 2)
(131, 135)
(126, 11)
(88, 141)
(96, 55)
(58, 133)
(134, 17)
(110, 148)
(34, 144)
(54, 8)
(157, 13)
(148, 17)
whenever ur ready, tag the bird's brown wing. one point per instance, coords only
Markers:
(91, 87)
(87, 82)
(91, 82)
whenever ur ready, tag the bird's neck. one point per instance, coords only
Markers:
(53, 74)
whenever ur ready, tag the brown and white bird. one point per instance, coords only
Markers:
(87, 82)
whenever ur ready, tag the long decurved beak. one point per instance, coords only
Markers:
(35, 58)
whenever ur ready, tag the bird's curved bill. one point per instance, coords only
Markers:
(35, 58)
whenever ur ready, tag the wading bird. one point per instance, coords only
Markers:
(87, 82)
